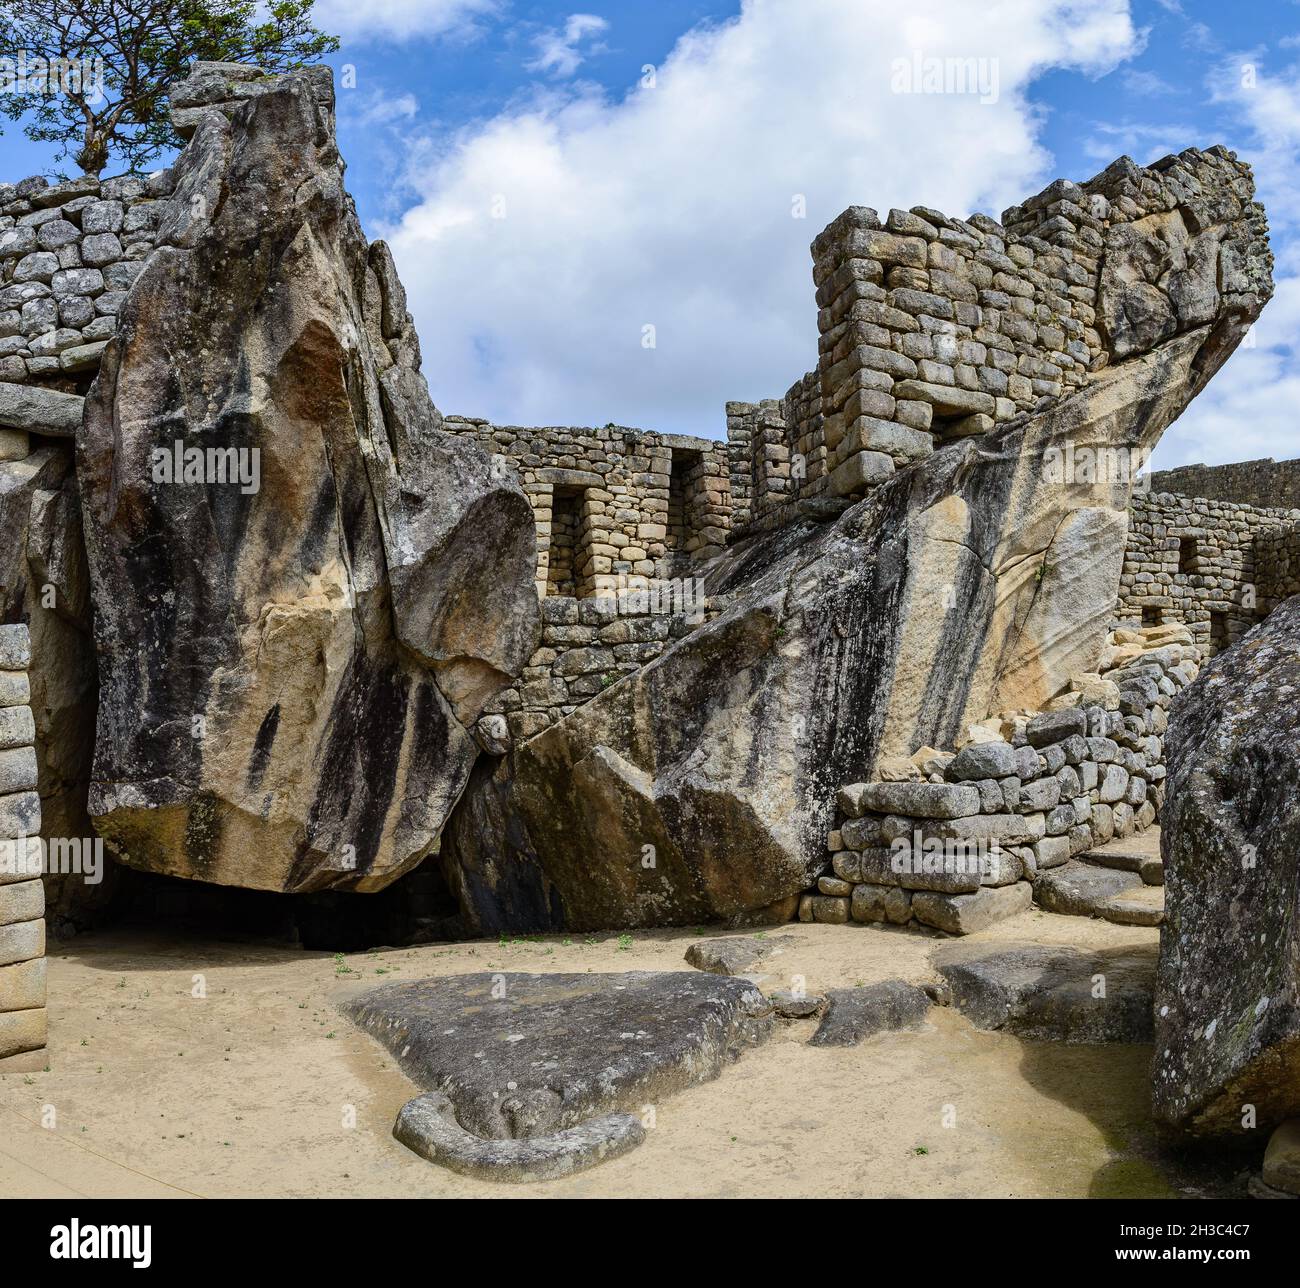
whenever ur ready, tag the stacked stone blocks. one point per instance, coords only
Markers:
(959, 845)
(22, 893)
(1217, 566)
(588, 645)
(632, 506)
(68, 254)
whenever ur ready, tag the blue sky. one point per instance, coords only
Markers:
(547, 201)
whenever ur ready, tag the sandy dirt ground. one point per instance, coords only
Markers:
(262, 1087)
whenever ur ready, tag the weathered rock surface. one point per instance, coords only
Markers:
(1228, 991)
(855, 1014)
(968, 582)
(290, 668)
(39, 410)
(790, 1005)
(1051, 993)
(498, 1053)
(737, 954)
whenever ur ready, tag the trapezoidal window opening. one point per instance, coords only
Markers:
(564, 566)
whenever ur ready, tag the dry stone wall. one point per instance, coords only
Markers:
(1277, 558)
(587, 645)
(1266, 484)
(614, 507)
(934, 328)
(22, 893)
(955, 841)
(68, 254)
(1217, 566)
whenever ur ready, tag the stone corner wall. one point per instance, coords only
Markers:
(1219, 567)
(614, 507)
(956, 841)
(933, 328)
(22, 892)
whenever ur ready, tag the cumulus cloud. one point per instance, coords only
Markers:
(549, 238)
(558, 50)
(401, 19)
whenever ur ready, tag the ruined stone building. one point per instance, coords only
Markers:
(605, 677)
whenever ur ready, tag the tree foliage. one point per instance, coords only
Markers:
(92, 75)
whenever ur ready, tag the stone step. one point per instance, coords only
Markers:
(1088, 890)
(1139, 854)
(1143, 906)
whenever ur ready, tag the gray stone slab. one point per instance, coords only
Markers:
(737, 954)
(854, 1014)
(557, 1068)
(43, 411)
(1052, 992)
(1081, 890)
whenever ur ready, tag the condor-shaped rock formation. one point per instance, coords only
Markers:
(976, 579)
(297, 628)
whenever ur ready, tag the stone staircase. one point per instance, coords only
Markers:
(1120, 882)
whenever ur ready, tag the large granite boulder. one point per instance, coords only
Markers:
(972, 581)
(305, 591)
(1228, 988)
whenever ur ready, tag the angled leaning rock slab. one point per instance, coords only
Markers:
(530, 1077)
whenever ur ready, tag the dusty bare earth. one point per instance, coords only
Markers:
(263, 1088)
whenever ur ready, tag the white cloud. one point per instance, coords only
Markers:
(1145, 84)
(672, 207)
(401, 19)
(557, 49)
(380, 108)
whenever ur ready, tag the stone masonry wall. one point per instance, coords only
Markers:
(587, 645)
(68, 254)
(1265, 484)
(1217, 566)
(956, 841)
(933, 328)
(22, 893)
(1277, 561)
(613, 506)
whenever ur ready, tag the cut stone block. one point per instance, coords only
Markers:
(22, 1031)
(923, 800)
(22, 941)
(22, 901)
(965, 914)
(22, 985)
